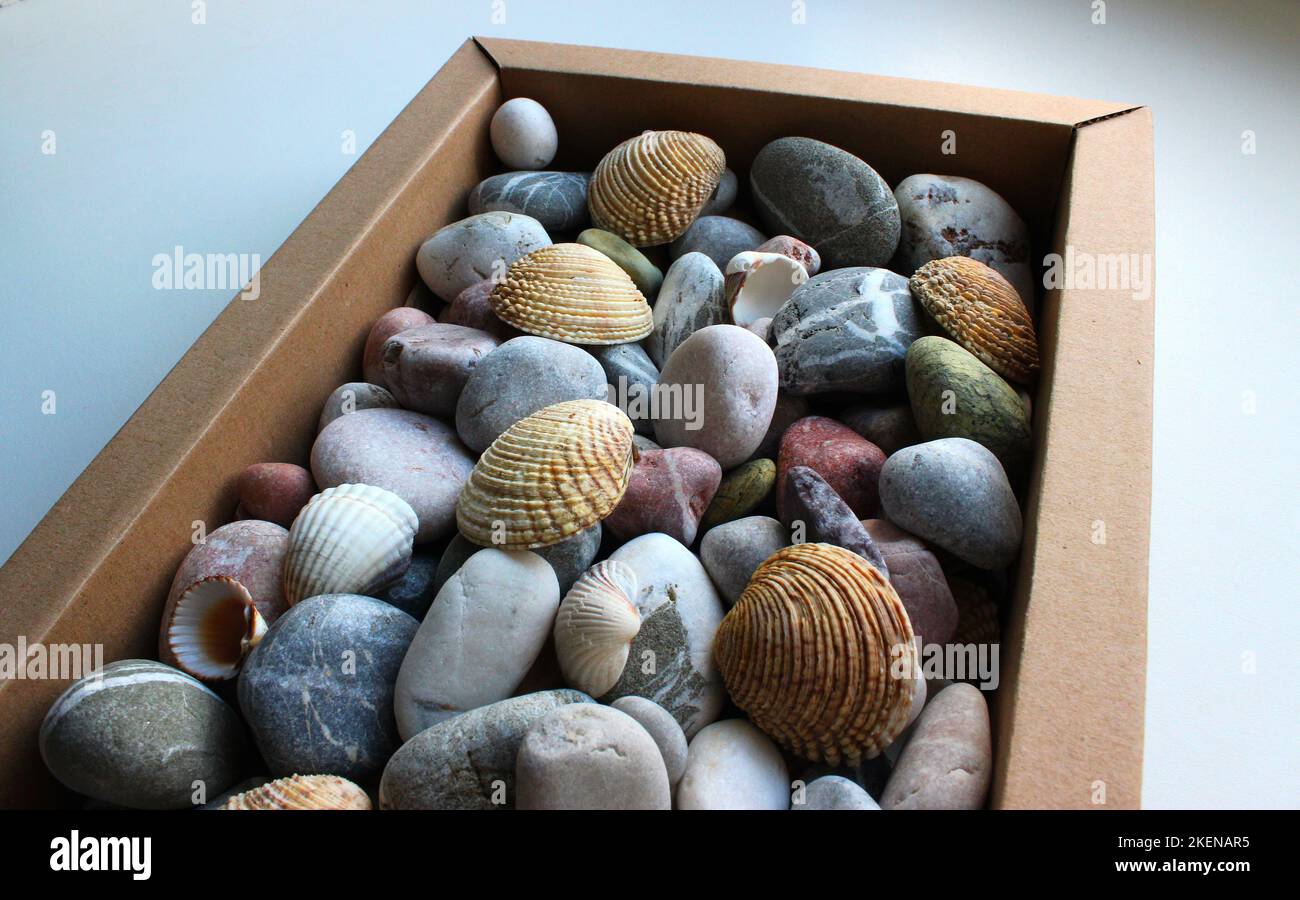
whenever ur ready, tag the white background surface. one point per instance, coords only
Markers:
(221, 137)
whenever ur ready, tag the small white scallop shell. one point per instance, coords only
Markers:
(214, 626)
(595, 626)
(350, 539)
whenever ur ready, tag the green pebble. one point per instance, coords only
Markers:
(631, 260)
(981, 406)
(740, 492)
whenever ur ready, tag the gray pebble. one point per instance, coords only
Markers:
(835, 792)
(631, 376)
(569, 558)
(479, 247)
(413, 593)
(692, 297)
(660, 724)
(891, 428)
(354, 396)
(724, 195)
(717, 237)
(733, 551)
(556, 199)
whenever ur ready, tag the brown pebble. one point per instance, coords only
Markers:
(390, 323)
(275, 492)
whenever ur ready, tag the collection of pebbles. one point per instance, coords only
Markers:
(499, 584)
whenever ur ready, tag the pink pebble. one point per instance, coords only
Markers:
(275, 491)
(387, 325)
(473, 309)
(668, 492)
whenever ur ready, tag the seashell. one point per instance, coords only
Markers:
(809, 652)
(758, 284)
(981, 311)
(302, 792)
(595, 627)
(650, 188)
(548, 476)
(349, 539)
(572, 293)
(214, 626)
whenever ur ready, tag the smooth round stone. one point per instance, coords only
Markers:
(143, 735)
(667, 492)
(733, 765)
(918, 579)
(569, 558)
(473, 309)
(846, 330)
(523, 134)
(692, 297)
(556, 199)
(741, 491)
(275, 492)
(631, 376)
(945, 215)
(468, 762)
(891, 428)
(671, 659)
(724, 195)
(426, 367)
(485, 629)
(732, 377)
(413, 593)
(586, 756)
(482, 246)
(643, 443)
(395, 321)
(815, 513)
(353, 396)
(828, 198)
(717, 237)
(519, 378)
(948, 762)
(413, 455)
(790, 408)
(871, 774)
(954, 493)
(733, 551)
(662, 728)
(953, 394)
(644, 274)
(317, 692)
(835, 792)
(849, 462)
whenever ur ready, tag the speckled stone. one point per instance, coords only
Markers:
(141, 734)
(919, 580)
(804, 255)
(834, 792)
(519, 378)
(523, 134)
(691, 298)
(953, 394)
(275, 492)
(426, 367)
(662, 728)
(569, 558)
(469, 761)
(733, 551)
(948, 762)
(484, 631)
(415, 456)
(586, 756)
(395, 321)
(789, 409)
(954, 493)
(644, 274)
(891, 428)
(413, 593)
(667, 492)
(827, 197)
(741, 491)
(631, 376)
(734, 375)
(809, 501)
(317, 691)
(724, 195)
(556, 199)
(733, 765)
(473, 309)
(671, 660)
(849, 462)
(482, 246)
(945, 215)
(354, 396)
(717, 237)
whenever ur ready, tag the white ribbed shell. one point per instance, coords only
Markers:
(595, 626)
(214, 625)
(302, 792)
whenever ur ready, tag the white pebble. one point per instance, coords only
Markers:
(523, 134)
(732, 765)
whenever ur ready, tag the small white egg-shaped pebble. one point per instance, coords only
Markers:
(523, 134)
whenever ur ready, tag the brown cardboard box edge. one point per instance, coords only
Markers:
(1071, 716)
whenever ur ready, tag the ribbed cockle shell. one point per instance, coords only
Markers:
(302, 792)
(649, 189)
(548, 476)
(595, 626)
(572, 293)
(214, 626)
(350, 539)
(813, 651)
(981, 311)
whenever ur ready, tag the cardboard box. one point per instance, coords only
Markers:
(1069, 713)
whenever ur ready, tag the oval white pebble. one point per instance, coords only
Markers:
(732, 765)
(523, 134)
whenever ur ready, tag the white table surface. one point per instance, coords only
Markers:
(221, 137)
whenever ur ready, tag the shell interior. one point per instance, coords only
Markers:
(213, 628)
(758, 284)
(595, 626)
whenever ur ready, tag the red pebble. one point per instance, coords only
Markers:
(848, 462)
(275, 492)
(387, 325)
(668, 492)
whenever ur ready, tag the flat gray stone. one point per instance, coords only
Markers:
(733, 551)
(556, 199)
(835, 792)
(717, 237)
(479, 247)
